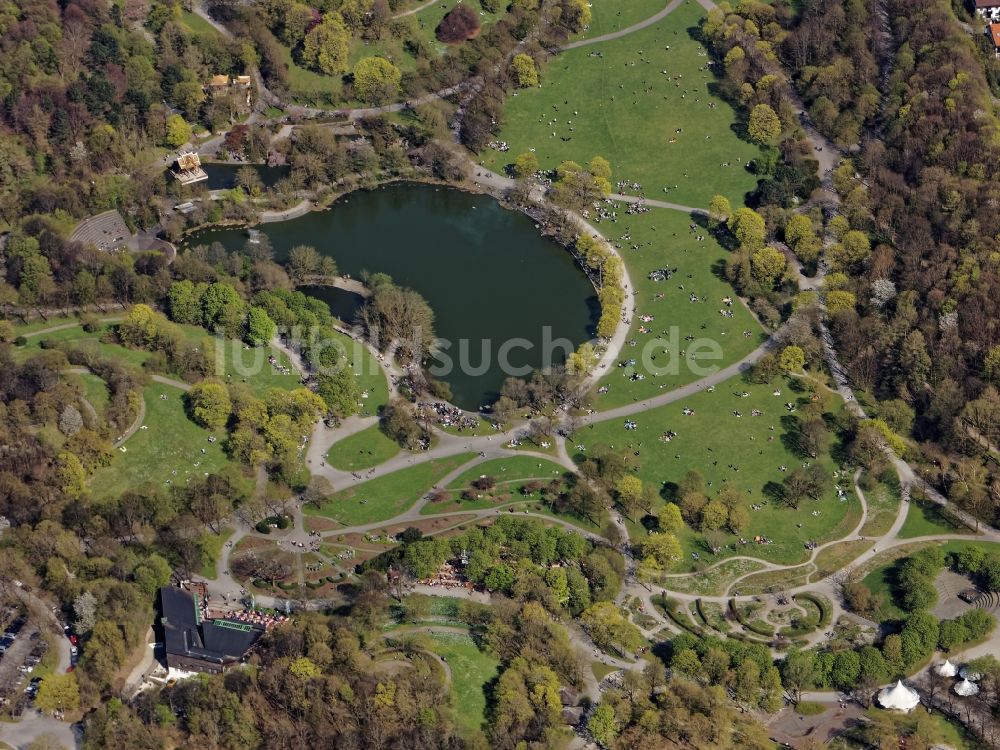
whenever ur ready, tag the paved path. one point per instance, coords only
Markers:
(33, 725)
(671, 7)
(412, 11)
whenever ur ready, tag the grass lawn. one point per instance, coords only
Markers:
(169, 452)
(76, 335)
(925, 518)
(511, 469)
(608, 16)
(883, 505)
(371, 376)
(600, 670)
(665, 241)
(362, 450)
(745, 451)
(712, 582)
(233, 359)
(387, 496)
(196, 24)
(95, 390)
(471, 671)
(630, 111)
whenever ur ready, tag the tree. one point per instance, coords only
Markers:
(662, 547)
(739, 519)
(603, 725)
(846, 669)
(184, 302)
(767, 265)
(70, 421)
(84, 613)
(458, 25)
(376, 80)
(719, 210)
(210, 404)
(629, 491)
(797, 228)
(991, 365)
(304, 668)
(748, 227)
(669, 518)
(608, 628)
(714, 515)
(72, 475)
(525, 164)
(576, 15)
(58, 693)
(764, 126)
(325, 48)
(792, 359)
(799, 672)
(178, 131)
(524, 70)
(260, 327)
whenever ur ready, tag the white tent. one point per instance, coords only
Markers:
(966, 688)
(946, 669)
(899, 697)
(966, 674)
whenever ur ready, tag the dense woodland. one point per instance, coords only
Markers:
(910, 235)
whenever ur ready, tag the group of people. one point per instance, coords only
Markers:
(447, 415)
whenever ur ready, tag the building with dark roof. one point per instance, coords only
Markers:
(196, 644)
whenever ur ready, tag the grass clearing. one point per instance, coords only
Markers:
(387, 496)
(95, 390)
(926, 518)
(362, 450)
(660, 240)
(883, 506)
(748, 452)
(169, 452)
(196, 24)
(630, 113)
(371, 377)
(471, 672)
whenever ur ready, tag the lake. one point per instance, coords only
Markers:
(499, 290)
(222, 176)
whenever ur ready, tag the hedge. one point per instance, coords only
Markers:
(756, 626)
(679, 618)
(824, 610)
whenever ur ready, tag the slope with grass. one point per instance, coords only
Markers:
(471, 673)
(644, 103)
(170, 451)
(685, 338)
(609, 16)
(747, 451)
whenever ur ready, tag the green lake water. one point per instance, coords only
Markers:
(489, 276)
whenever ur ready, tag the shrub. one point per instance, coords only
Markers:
(20, 341)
